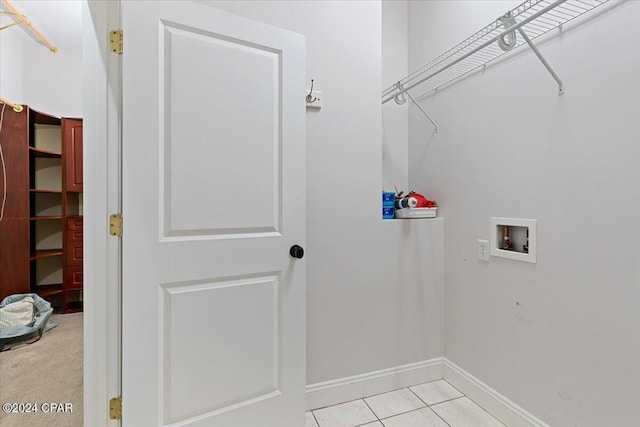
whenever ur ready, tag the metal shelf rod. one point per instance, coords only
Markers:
(21, 19)
(16, 107)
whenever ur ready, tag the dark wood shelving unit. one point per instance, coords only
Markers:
(41, 235)
(74, 306)
(45, 154)
(45, 254)
(35, 190)
(50, 290)
(44, 218)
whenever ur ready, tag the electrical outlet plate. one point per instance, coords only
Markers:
(483, 250)
(314, 99)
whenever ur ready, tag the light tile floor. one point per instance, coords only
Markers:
(433, 404)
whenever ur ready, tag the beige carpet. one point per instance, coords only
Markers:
(47, 371)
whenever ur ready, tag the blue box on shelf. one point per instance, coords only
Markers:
(388, 208)
(388, 198)
(388, 212)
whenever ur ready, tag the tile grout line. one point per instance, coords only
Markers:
(381, 420)
(341, 403)
(483, 410)
(372, 411)
(447, 400)
(405, 412)
(401, 388)
(314, 417)
(438, 415)
(472, 401)
(416, 395)
(408, 412)
(455, 388)
(464, 395)
(385, 392)
(450, 400)
(395, 415)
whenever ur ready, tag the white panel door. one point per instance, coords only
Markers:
(213, 198)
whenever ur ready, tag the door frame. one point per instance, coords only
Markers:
(102, 190)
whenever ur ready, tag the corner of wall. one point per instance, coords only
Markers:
(395, 119)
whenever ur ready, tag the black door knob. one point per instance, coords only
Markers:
(296, 251)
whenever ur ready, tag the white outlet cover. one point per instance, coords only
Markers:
(483, 250)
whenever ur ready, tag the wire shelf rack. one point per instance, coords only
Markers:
(517, 27)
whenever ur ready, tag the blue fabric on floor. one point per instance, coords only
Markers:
(34, 329)
(50, 325)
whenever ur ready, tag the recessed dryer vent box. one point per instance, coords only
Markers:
(513, 238)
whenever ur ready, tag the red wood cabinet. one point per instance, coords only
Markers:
(73, 263)
(14, 257)
(72, 137)
(41, 229)
(14, 226)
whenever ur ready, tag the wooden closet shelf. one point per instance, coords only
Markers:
(44, 119)
(41, 218)
(45, 254)
(38, 152)
(44, 291)
(37, 190)
(73, 288)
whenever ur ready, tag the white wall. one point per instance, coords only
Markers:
(10, 66)
(395, 118)
(559, 337)
(30, 74)
(374, 287)
(52, 83)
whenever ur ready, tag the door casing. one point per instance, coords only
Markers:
(101, 157)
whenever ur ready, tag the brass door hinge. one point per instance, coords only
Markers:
(115, 408)
(115, 225)
(115, 41)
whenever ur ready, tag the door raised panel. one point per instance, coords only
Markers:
(231, 126)
(221, 345)
(72, 133)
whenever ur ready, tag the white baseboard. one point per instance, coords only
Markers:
(355, 387)
(489, 399)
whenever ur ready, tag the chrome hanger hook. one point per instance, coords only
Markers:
(310, 98)
(507, 41)
(401, 97)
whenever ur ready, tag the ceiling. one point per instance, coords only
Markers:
(60, 21)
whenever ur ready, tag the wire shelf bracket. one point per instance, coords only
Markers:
(400, 99)
(544, 61)
(531, 19)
